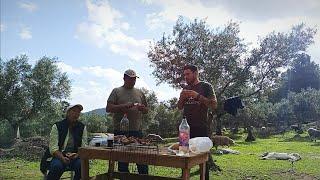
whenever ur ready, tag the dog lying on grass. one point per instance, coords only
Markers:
(280, 156)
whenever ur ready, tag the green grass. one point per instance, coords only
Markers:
(246, 165)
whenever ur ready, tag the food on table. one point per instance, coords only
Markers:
(135, 140)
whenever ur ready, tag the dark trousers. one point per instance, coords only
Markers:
(123, 166)
(57, 168)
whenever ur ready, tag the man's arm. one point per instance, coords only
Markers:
(53, 141)
(210, 102)
(144, 106)
(182, 100)
(144, 109)
(113, 108)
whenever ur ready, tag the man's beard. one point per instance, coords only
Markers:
(190, 82)
(130, 86)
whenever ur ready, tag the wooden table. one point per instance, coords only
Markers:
(161, 157)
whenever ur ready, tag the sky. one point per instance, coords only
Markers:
(95, 41)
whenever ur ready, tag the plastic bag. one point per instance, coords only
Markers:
(200, 144)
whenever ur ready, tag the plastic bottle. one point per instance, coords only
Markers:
(184, 136)
(124, 124)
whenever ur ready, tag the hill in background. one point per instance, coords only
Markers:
(100, 111)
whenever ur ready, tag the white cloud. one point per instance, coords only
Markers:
(91, 32)
(250, 30)
(142, 84)
(25, 33)
(104, 27)
(314, 49)
(91, 97)
(112, 76)
(125, 26)
(219, 12)
(93, 83)
(101, 13)
(166, 94)
(155, 21)
(68, 69)
(2, 27)
(147, 2)
(126, 45)
(216, 15)
(29, 6)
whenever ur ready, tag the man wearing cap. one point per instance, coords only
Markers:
(66, 137)
(131, 101)
(195, 100)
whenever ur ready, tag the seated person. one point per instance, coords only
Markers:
(65, 138)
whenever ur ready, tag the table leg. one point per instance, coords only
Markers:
(185, 174)
(111, 169)
(202, 171)
(85, 169)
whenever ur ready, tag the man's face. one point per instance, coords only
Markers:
(130, 81)
(189, 76)
(73, 114)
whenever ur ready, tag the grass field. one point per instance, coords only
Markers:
(246, 165)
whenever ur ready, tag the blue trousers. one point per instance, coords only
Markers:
(57, 168)
(123, 166)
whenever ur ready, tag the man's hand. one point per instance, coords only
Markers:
(65, 160)
(72, 156)
(119, 107)
(140, 107)
(190, 94)
(125, 107)
(185, 94)
(182, 95)
(58, 154)
(128, 105)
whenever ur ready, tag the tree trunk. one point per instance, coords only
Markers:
(250, 136)
(211, 125)
(15, 129)
(15, 135)
(219, 127)
(18, 133)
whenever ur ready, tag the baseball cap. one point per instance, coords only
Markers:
(131, 73)
(74, 105)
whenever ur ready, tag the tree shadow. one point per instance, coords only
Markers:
(246, 143)
(297, 138)
(316, 144)
(197, 172)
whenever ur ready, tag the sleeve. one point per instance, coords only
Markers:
(53, 141)
(113, 97)
(84, 137)
(210, 92)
